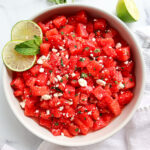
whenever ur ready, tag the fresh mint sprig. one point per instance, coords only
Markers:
(58, 1)
(30, 47)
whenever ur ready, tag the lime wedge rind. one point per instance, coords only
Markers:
(127, 11)
(15, 61)
(25, 30)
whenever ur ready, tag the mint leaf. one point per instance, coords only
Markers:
(30, 47)
(58, 1)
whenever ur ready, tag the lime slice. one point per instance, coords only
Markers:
(25, 30)
(15, 61)
(127, 10)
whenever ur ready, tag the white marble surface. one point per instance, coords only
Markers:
(11, 11)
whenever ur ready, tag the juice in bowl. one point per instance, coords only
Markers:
(83, 76)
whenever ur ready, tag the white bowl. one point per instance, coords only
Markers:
(118, 122)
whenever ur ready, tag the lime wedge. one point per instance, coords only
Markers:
(25, 30)
(15, 61)
(127, 10)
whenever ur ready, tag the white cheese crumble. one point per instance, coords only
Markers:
(67, 56)
(82, 82)
(47, 112)
(41, 70)
(62, 134)
(48, 82)
(60, 47)
(54, 50)
(37, 111)
(91, 55)
(57, 54)
(126, 62)
(89, 113)
(120, 85)
(56, 80)
(46, 97)
(22, 104)
(61, 108)
(101, 82)
(93, 39)
(59, 77)
(73, 74)
(118, 45)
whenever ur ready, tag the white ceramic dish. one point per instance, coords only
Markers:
(117, 123)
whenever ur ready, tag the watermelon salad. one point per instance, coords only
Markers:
(82, 78)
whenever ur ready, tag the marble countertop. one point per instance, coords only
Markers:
(12, 131)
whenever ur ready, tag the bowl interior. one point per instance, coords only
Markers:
(117, 123)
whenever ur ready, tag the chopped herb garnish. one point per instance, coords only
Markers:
(46, 39)
(52, 115)
(131, 79)
(86, 48)
(76, 94)
(73, 35)
(122, 67)
(84, 118)
(75, 68)
(79, 112)
(77, 129)
(84, 75)
(94, 68)
(61, 80)
(90, 74)
(110, 85)
(69, 92)
(116, 82)
(100, 114)
(57, 89)
(61, 62)
(83, 99)
(82, 59)
(62, 33)
(86, 110)
(75, 46)
(50, 71)
(56, 123)
(97, 50)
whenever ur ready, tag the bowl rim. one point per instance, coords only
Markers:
(23, 122)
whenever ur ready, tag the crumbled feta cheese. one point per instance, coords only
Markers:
(93, 39)
(82, 82)
(100, 61)
(67, 115)
(117, 67)
(89, 113)
(66, 75)
(23, 103)
(47, 112)
(58, 103)
(121, 86)
(62, 48)
(57, 54)
(126, 62)
(54, 50)
(59, 77)
(55, 95)
(101, 82)
(41, 70)
(46, 97)
(37, 111)
(67, 56)
(48, 82)
(61, 108)
(60, 94)
(70, 102)
(57, 85)
(62, 134)
(41, 59)
(106, 79)
(72, 118)
(56, 80)
(73, 74)
(118, 45)
(91, 55)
